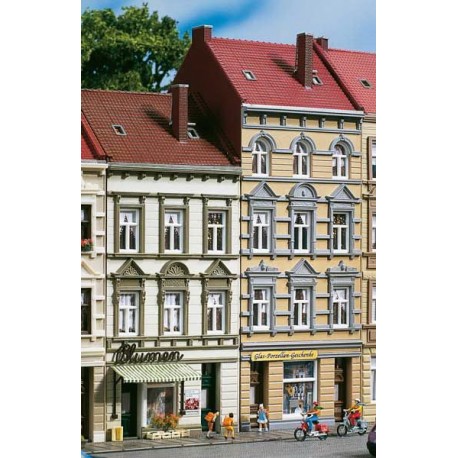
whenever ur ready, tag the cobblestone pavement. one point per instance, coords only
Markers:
(249, 444)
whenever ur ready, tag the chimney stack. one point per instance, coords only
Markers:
(180, 111)
(202, 33)
(323, 42)
(304, 53)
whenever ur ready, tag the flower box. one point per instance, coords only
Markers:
(87, 245)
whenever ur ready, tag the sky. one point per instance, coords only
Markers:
(348, 24)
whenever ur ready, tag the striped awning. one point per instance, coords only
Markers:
(156, 373)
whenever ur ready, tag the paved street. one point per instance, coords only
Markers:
(349, 447)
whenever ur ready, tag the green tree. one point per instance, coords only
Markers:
(134, 51)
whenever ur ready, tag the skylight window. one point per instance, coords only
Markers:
(249, 75)
(192, 133)
(316, 80)
(366, 83)
(119, 130)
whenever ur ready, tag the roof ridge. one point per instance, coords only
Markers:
(126, 92)
(252, 41)
(349, 50)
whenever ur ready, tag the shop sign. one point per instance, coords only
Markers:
(192, 402)
(288, 355)
(126, 355)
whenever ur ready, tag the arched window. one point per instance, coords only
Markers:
(339, 162)
(260, 158)
(301, 158)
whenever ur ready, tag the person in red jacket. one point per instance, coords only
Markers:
(355, 412)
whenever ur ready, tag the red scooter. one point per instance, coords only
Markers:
(319, 430)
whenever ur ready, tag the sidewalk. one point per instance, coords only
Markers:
(218, 439)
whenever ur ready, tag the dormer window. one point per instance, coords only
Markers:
(366, 84)
(119, 130)
(249, 75)
(192, 133)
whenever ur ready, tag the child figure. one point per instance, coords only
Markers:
(228, 424)
(262, 418)
(210, 418)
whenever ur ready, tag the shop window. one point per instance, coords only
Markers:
(160, 401)
(299, 387)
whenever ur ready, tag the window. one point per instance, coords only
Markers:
(119, 130)
(85, 310)
(373, 379)
(85, 222)
(160, 400)
(302, 232)
(261, 308)
(340, 232)
(366, 84)
(301, 308)
(260, 159)
(373, 304)
(373, 232)
(316, 80)
(192, 133)
(174, 231)
(373, 155)
(301, 160)
(128, 314)
(299, 388)
(261, 231)
(215, 312)
(249, 75)
(173, 313)
(216, 232)
(128, 230)
(340, 308)
(339, 162)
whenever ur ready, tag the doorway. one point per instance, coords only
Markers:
(256, 391)
(340, 388)
(85, 393)
(129, 409)
(208, 393)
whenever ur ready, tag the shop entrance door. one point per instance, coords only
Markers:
(340, 388)
(85, 402)
(256, 391)
(129, 409)
(208, 392)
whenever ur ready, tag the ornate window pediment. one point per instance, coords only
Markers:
(302, 269)
(263, 190)
(218, 269)
(303, 191)
(343, 194)
(130, 269)
(174, 269)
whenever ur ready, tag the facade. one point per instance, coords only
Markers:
(357, 73)
(172, 260)
(93, 306)
(299, 139)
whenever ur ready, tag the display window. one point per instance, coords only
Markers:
(299, 388)
(160, 400)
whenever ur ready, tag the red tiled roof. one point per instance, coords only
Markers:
(351, 67)
(90, 147)
(145, 118)
(273, 65)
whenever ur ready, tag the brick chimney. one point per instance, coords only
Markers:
(180, 111)
(304, 52)
(323, 42)
(202, 33)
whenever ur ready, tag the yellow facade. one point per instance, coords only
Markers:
(338, 348)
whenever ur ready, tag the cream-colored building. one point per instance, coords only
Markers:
(93, 309)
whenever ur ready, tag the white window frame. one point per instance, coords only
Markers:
(303, 304)
(169, 315)
(337, 233)
(373, 304)
(301, 151)
(212, 309)
(129, 226)
(298, 235)
(339, 160)
(373, 379)
(373, 232)
(257, 227)
(260, 150)
(373, 160)
(258, 305)
(337, 299)
(124, 310)
(213, 232)
(172, 226)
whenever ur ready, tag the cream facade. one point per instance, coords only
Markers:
(173, 289)
(93, 227)
(369, 266)
(301, 247)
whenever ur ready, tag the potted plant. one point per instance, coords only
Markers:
(165, 422)
(86, 245)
